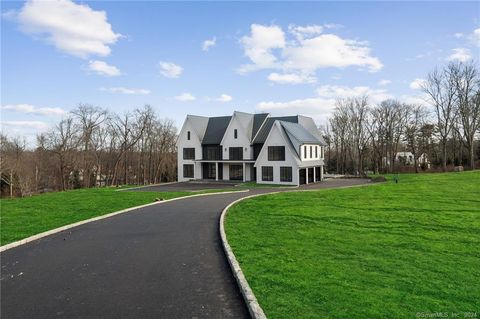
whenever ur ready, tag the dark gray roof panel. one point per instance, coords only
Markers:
(216, 128)
(299, 132)
(258, 120)
(263, 133)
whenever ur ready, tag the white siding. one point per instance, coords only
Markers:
(242, 140)
(276, 137)
(182, 143)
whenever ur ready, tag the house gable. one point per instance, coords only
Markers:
(242, 122)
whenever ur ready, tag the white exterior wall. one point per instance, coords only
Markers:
(182, 143)
(277, 138)
(242, 140)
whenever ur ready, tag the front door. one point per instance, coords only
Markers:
(208, 170)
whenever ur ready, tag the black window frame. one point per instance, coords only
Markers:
(185, 170)
(305, 151)
(212, 152)
(276, 153)
(286, 174)
(185, 153)
(235, 153)
(316, 151)
(188, 135)
(267, 173)
(235, 133)
(311, 151)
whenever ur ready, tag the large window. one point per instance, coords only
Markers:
(188, 153)
(276, 153)
(285, 174)
(267, 173)
(236, 172)
(188, 171)
(235, 153)
(212, 152)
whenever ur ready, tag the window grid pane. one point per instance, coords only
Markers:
(267, 173)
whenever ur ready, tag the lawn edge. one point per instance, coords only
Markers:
(254, 308)
(86, 221)
(143, 186)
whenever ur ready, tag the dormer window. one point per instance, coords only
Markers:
(188, 135)
(235, 133)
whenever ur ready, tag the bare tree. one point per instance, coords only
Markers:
(467, 89)
(440, 87)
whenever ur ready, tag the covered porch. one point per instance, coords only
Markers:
(308, 175)
(228, 170)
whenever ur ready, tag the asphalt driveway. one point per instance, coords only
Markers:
(184, 186)
(161, 261)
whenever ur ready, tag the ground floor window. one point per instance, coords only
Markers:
(188, 171)
(317, 173)
(236, 172)
(267, 173)
(285, 174)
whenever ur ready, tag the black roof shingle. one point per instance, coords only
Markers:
(216, 128)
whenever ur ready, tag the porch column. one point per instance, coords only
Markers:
(321, 173)
(306, 175)
(314, 175)
(243, 171)
(216, 171)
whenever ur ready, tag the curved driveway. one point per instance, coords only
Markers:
(160, 261)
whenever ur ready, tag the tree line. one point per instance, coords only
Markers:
(442, 132)
(91, 147)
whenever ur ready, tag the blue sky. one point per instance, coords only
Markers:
(277, 57)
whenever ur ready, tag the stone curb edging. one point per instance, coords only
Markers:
(69, 226)
(251, 301)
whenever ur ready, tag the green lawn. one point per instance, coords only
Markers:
(24, 217)
(381, 251)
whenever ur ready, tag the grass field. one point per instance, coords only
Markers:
(24, 217)
(380, 251)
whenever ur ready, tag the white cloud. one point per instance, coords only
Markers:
(417, 84)
(259, 45)
(268, 47)
(475, 36)
(384, 82)
(102, 68)
(185, 97)
(322, 105)
(224, 98)
(26, 125)
(302, 32)
(207, 44)
(290, 78)
(460, 54)
(170, 70)
(124, 90)
(458, 35)
(73, 28)
(31, 109)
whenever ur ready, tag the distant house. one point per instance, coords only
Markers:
(251, 147)
(408, 159)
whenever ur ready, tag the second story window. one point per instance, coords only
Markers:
(188, 135)
(276, 153)
(316, 151)
(305, 151)
(235, 153)
(235, 133)
(188, 153)
(311, 151)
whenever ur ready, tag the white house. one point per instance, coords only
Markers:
(407, 158)
(251, 147)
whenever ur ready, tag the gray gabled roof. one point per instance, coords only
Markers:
(258, 120)
(298, 135)
(267, 126)
(216, 128)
